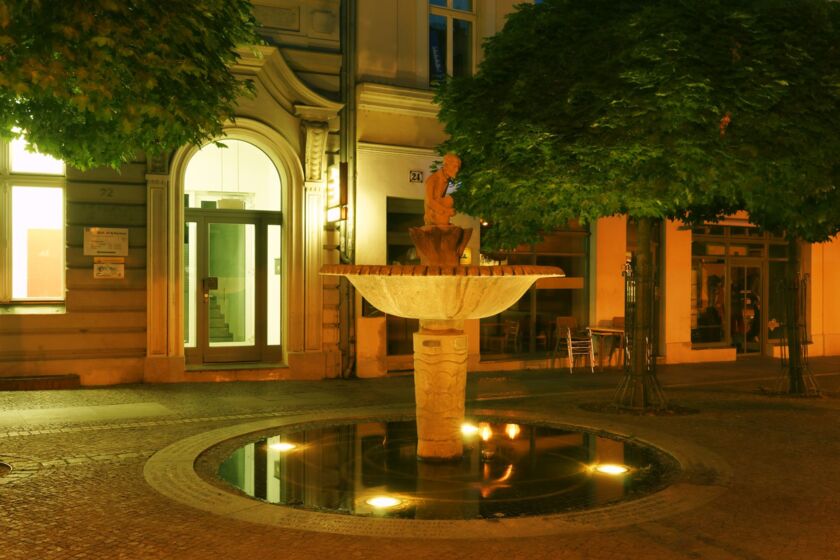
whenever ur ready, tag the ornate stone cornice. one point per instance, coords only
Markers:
(390, 149)
(393, 99)
(318, 114)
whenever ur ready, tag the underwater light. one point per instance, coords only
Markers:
(383, 502)
(512, 430)
(469, 429)
(609, 468)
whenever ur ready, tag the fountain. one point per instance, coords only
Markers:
(441, 294)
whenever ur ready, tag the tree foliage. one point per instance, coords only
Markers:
(653, 108)
(95, 81)
(793, 129)
(683, 109)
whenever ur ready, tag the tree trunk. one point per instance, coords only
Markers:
(644, 298)
(793, 323)
(639, 389)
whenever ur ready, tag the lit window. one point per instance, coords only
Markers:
(31, 225)
(451, 38)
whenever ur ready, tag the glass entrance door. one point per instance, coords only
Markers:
(232, 267)
(231, 279)
(745, 296)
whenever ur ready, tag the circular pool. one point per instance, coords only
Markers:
(371, 448)
(508, 469)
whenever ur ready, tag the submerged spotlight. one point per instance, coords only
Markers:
(383, 501)
(469, 429)
(608, 468)
(512, 430)
(282, 446)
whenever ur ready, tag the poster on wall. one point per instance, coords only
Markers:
(109, 268)
(106, 241)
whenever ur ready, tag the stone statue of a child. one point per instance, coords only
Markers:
(439, 206)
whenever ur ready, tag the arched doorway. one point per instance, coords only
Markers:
(233, 281)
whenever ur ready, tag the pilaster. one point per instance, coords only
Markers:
(314, 205)
(164, 350)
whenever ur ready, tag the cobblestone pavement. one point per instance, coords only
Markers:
(77, 488)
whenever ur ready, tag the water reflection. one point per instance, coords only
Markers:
(506, 470)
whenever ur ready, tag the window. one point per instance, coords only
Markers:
(31, 225)
(737, 295)
(535, 314)
(451, 38)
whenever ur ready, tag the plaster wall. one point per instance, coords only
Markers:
(308, 34)
(379, 40)
(393, 39)
(824, 306)
(399, 130)
(262, 108)
(608, 243)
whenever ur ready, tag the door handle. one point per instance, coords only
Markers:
(207, 284)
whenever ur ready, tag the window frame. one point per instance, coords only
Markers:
(9, 179)
(451, 14)
(725, 237)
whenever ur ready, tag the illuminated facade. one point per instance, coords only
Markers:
(203, 265)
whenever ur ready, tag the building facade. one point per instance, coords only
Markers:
(202, 265)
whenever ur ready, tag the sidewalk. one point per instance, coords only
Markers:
(77, 489)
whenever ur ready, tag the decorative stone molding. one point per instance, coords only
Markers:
(394, 150)
(267, 66)
(316, 147)
(393, 99)
(159, 343)
(327, 115)
(157, 164)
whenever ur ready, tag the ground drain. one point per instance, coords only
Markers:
(5, 468)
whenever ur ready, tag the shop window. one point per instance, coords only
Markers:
(708, 303)
(736, 290)
(32, 222)
(451, 39)
(527, 327)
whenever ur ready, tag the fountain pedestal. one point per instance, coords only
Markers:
(441, 297)
(440, 380)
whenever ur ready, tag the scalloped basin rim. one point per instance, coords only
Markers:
(442, 293)
(425, 270)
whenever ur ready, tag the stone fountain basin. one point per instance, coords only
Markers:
(442, 293)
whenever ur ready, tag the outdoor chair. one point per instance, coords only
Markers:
(508, 339)
(562, 326)
(580, 345)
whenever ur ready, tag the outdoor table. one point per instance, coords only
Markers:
(608, 332)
